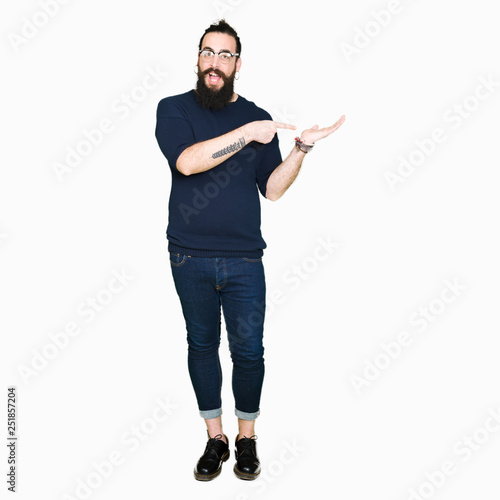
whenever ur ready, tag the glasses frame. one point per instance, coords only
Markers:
(218, 54)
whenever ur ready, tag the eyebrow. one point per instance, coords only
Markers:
(210, 48)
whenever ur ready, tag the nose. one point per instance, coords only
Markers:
(216, 61)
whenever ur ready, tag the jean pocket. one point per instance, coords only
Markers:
(177, 259)
(247, 259)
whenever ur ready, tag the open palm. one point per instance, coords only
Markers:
(313, 134)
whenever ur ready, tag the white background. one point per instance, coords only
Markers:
(61, 240)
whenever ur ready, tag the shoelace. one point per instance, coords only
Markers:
(246, 443)
(213, 441)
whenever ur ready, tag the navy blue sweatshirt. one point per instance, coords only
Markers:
(215, 213)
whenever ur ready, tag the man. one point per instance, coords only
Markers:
(222, 150)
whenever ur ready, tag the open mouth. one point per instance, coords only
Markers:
(214, 78)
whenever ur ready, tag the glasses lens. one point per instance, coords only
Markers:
(225, 57)
(207, 55)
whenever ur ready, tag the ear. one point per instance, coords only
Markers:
(238, 64)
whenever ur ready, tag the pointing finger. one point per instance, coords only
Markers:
(285, 125)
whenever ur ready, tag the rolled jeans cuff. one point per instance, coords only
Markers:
(208, 414)
(246, 416)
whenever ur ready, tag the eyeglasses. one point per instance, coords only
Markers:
(225, 56)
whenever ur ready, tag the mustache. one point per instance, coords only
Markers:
(218, 72)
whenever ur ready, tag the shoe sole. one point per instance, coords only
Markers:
(244, 475)
(209, 477)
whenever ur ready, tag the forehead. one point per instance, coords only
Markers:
(219, 41)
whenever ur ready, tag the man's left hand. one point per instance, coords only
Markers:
(313, 134)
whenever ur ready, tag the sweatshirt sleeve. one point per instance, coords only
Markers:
(173, 131)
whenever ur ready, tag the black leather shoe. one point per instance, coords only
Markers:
(210, 463)
(247, 462)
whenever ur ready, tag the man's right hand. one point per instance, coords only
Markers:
(264, 131)
(208, 154)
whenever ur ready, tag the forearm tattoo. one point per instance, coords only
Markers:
(230, 149)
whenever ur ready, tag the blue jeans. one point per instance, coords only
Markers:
(237, 285)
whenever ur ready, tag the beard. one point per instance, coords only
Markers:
(214, 99)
